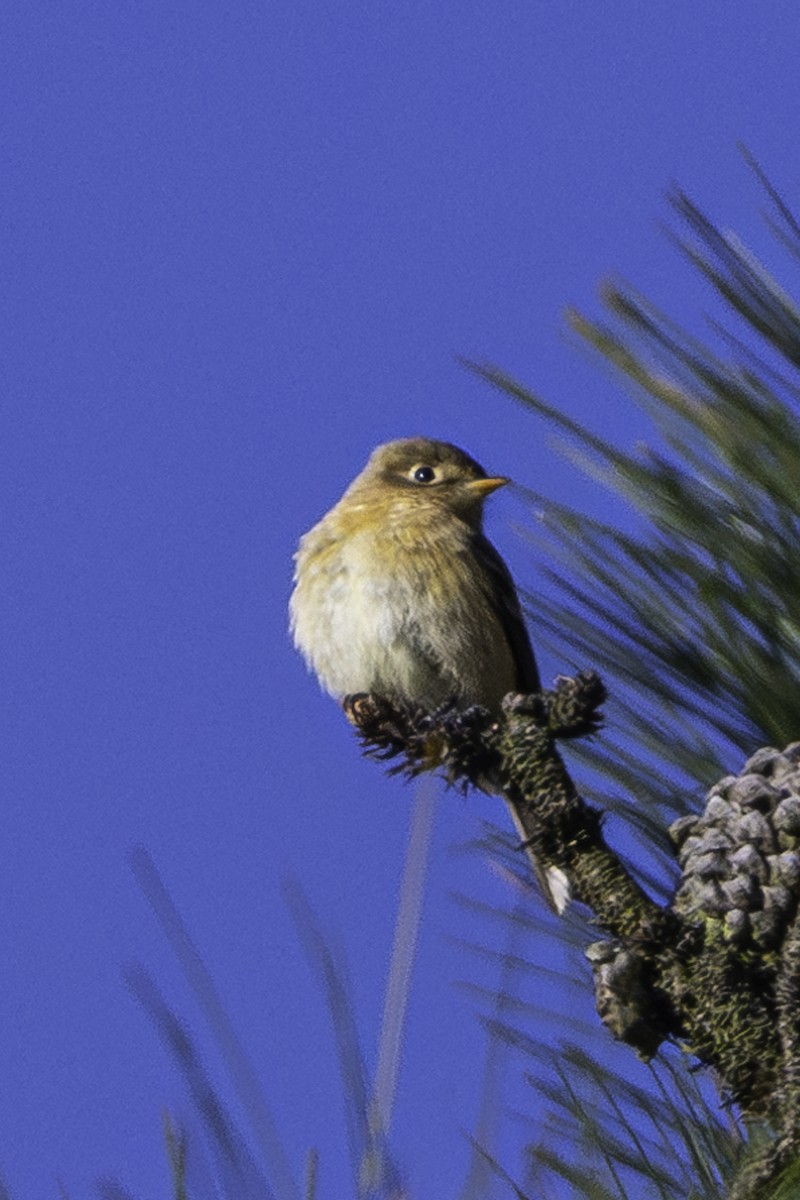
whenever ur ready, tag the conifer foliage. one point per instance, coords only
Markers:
(694, 623)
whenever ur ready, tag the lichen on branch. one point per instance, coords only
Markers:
(716, 970)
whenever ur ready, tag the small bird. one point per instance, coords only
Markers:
(399, 593)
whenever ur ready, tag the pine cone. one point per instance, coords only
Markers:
(741, 858)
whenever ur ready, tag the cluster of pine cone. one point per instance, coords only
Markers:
(741, 858)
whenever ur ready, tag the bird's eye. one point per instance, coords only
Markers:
(423, 474)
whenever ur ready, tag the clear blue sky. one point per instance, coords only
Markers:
(242, 244)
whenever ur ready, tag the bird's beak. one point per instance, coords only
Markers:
(485, 487)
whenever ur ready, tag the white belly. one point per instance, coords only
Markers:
(400, 635)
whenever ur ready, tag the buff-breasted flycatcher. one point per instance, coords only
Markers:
(399, 593)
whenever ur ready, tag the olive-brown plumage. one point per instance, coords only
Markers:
(398, 591)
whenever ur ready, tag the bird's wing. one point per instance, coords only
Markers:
(502, 596)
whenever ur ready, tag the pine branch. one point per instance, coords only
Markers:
(718, 969)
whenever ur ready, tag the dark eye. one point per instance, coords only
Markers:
(424, 474)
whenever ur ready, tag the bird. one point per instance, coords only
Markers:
(399, 593)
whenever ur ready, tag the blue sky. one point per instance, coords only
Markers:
(242, 244)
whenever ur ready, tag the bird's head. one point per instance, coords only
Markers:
(435, 473)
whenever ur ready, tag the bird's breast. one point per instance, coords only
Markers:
(398, 612)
